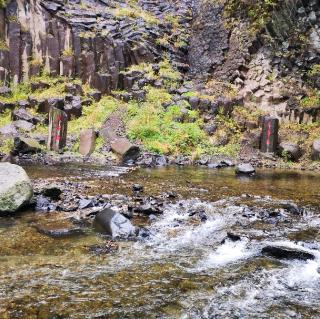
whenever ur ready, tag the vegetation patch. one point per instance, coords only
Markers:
(160, 130)
(94, 115)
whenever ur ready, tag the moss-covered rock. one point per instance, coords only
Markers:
(15, 188)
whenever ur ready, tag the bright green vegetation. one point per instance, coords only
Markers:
(3, 45)
(312, 100)
(133, 11)
(3, 3)
(5, 118)
(94, 115)
(23, 90)
(159, 129)
(257, 12)
(6, 146)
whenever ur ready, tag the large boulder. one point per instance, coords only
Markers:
(245, 169)
(123, 147)
(282, 252)
(87, 142)
(316, 150)
(24, 145)
(290, 151)
(15, 188)
(113, 224)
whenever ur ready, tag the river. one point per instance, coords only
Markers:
(185, 269)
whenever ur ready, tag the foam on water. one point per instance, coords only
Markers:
(227, 253)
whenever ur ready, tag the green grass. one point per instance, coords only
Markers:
(5, 118)
(6, 146)
(132, 11)
(159, 131)
(94, 115)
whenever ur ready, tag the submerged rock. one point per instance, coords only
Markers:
(231, 237)
(52, 192)
(245, 169)
(15, 188)
(282, 252)
(58, 232)
(113, 224)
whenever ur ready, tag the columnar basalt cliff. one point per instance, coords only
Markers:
(94, 40)
(175, 77)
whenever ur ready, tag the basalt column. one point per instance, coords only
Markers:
(269, 136)
(58, 121)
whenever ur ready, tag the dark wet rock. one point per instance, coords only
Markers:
(108, 248)
(292, 208)
(24, 115)
(203, 217)
(137, 188)
(282, 252)
(41, 85)
(113, 224)
(148, 209)
(290, 151)
(125, 149)
(96, 95)
(73, 88)
(15, 188)
(316, 150)
(245, 169)
(52, 192)
(25, 145)
(232, 237)
(144, 233)
(58, 232)
(171, 194)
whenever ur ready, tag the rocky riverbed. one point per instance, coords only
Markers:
(202, 243)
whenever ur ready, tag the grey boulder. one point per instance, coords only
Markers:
(113, 224)
(15, 188)
(245, 169)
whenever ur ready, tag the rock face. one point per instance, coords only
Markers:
(245, 169)
(316, 150)
(113, 224)
(290, 151)
(87, 39)
(286, 253)
(15, 188)
(269, 136)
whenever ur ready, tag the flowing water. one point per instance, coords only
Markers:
(185, 269)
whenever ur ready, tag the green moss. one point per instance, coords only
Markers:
(258, 12)
(6, 146)
(5, 118)
(3, 3)
(68, 52)
(3, 45)
(133, 11)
